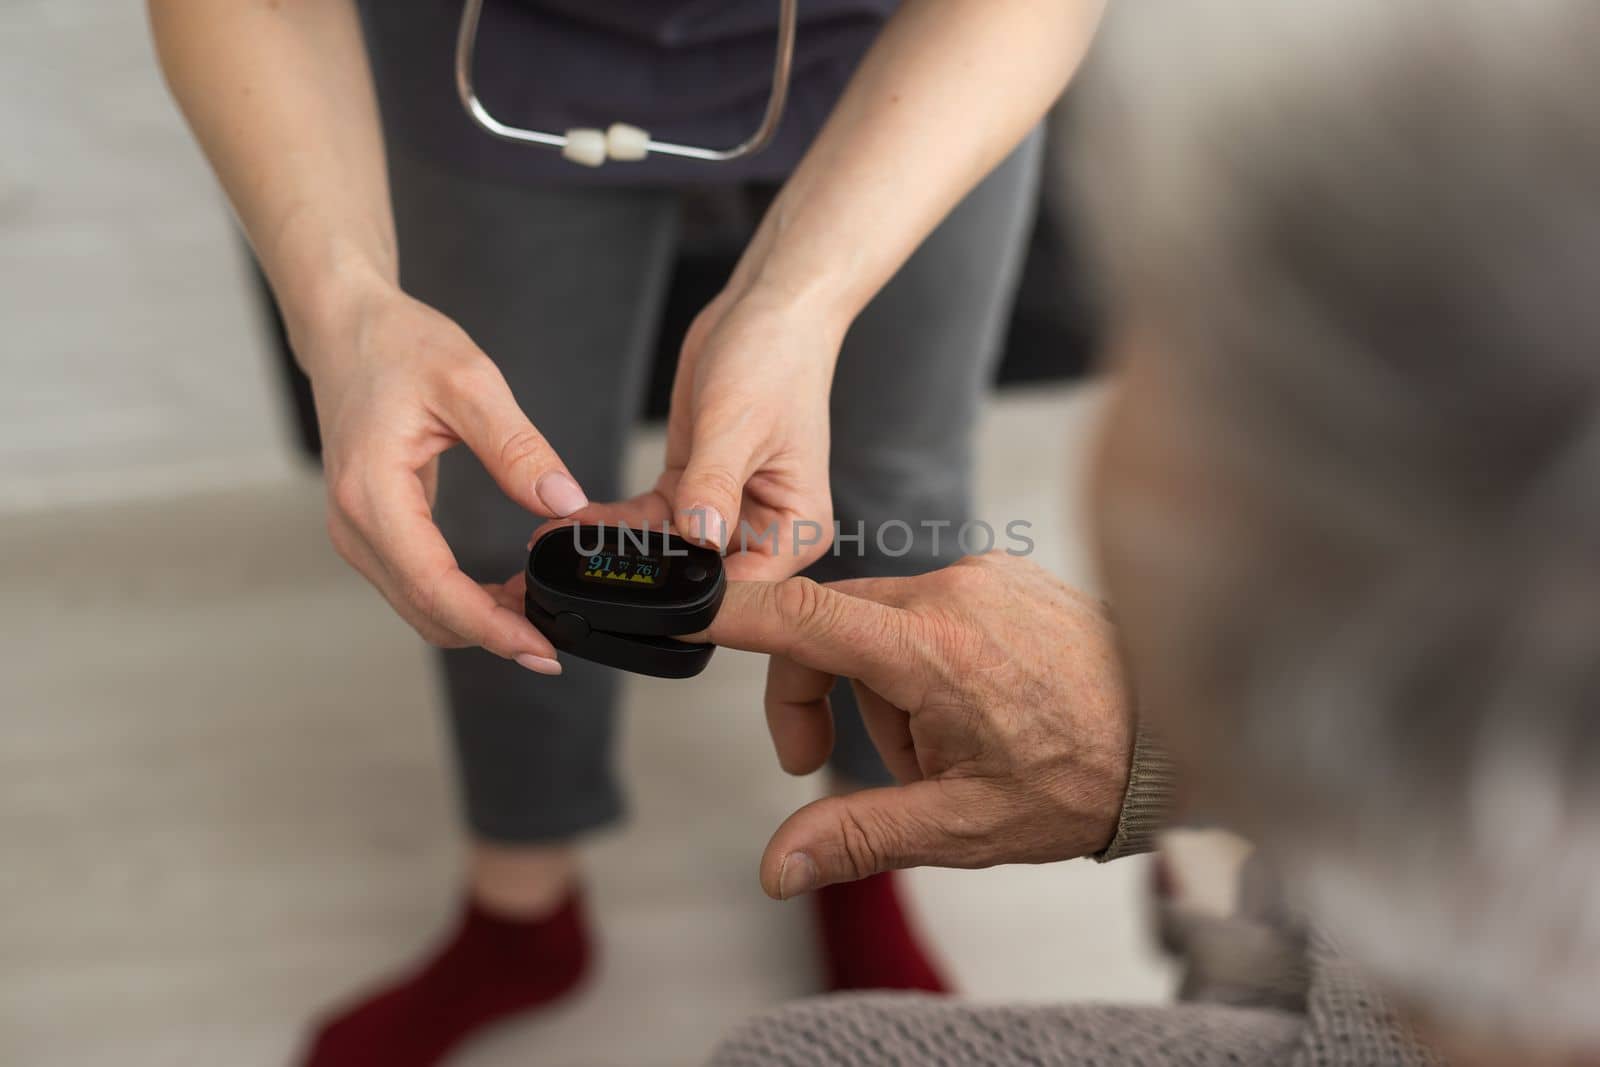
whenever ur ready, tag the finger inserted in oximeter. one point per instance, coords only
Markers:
(619, 596)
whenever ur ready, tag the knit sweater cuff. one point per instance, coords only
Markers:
(1148, 803)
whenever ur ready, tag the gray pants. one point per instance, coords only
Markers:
(563, 288)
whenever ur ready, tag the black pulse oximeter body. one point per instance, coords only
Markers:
(618, 596)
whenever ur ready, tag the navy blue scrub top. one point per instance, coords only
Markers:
(692, 71)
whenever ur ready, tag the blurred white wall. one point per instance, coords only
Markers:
(133, 356)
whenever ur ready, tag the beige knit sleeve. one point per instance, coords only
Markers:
(1148, 803)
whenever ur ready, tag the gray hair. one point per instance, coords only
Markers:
(1366, 236)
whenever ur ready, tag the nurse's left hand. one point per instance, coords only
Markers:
(748, 437)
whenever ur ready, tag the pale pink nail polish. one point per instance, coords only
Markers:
(707, 523)
(561, 494)
(538, 664)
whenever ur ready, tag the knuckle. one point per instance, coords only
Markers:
(972, 812)
(825, 541)
(945, 649)
(938, 587)
(720, 483)
(524, 447)
(943, 632)
(800, 604)
(434, 635)
(965, 573)
(347, 495)
(465, 379)
(422, 597)
(497, 640)
(987, 561)
(861, 841)
(430, 631)
(702, 326)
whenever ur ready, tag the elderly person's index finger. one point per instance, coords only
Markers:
(816, 625)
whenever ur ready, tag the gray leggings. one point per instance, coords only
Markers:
(563, 287)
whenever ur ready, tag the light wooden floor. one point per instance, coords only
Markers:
(224, 801)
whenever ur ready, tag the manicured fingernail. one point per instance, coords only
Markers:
(705, 522)
(538, 664)
(561, 494)
(797, 875)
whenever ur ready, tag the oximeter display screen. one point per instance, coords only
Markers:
(613, 569)
(621, 597)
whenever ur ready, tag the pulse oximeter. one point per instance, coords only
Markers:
(619, 596)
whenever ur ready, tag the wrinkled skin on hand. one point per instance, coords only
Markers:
(994, 692)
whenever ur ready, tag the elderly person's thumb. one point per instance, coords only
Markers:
(844, 838)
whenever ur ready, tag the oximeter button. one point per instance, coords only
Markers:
(696, 572)
(570, 628)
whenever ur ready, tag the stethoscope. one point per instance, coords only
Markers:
(622, 142)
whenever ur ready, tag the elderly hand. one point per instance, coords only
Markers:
(993, 691)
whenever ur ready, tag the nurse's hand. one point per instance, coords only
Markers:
(747, 437)
(396, 384)
(992, 690)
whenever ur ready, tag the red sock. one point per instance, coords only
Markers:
(867, 940)
(489, 969)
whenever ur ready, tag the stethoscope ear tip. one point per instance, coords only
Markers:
(627, 144)
(585, 147)
(591, 148)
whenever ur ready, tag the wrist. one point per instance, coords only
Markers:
(324, 313)
(799, 313)
(812, 297)
(807, 361)
(810, 273)
(326, 274)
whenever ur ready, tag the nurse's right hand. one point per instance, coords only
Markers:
(396, 384)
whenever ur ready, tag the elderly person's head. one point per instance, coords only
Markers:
(1351, 488)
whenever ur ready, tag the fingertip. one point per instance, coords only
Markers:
(797, 854)
(525, 640)
(787, 874)
(532, 651)
(802, 728)
(800, 768)
(802, 749)
(539, 664)
(769, 877)
(560, 493)
(797, 875)
(704, 525)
